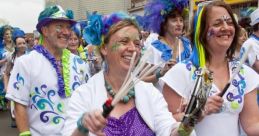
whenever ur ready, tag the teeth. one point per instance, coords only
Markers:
(224, 36)
(127, 57)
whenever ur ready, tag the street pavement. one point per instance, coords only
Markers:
(5, 121)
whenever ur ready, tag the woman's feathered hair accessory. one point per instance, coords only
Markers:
(92, 32)
(112, 19)
(77, 29)
(157, 10)
(17, 32)
(198, 56)
(99, 25)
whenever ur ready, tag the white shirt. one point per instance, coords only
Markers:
(7, 54)
(253, 55)
(33, 83)
(181, 79)
(148, 100)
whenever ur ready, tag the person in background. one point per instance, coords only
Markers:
(215, 38)
(18, 37)
(74, 40)
(253, 40)
(6, 50)
(143, 113)
(171, 46)
(241, 39)
(36, 36)
(29, 41)
(41, 82)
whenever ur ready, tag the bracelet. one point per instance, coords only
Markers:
(158, 73)
(25, 133)
(81, 127)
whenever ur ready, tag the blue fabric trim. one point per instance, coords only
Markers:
(166, 50)
(187, 49)
(254, 36)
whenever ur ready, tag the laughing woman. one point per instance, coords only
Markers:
(145, 113)
(215, 44)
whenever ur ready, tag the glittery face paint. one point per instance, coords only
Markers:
(115, 47)
(210, 33)
(225, 18)
(58, 33)
(219, 23)
(120, 48)
(221, 29)
(58, 29)
(124, 40)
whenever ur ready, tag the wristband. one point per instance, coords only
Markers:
(158, 73)
(25, 133)
(81, 127)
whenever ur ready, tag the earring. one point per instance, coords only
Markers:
(105, 67)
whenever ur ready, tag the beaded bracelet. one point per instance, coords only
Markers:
(81, 127)
(25, 133)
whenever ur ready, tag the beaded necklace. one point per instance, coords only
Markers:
(125, 99)
(63, 86)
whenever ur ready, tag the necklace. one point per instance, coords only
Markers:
(125, 99)
(63, 90)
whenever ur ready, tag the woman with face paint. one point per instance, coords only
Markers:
(143, 113)
(215, 36)
(170, 46)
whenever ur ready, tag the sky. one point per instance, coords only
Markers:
(21, 13)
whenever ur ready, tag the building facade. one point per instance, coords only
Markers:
(81, 7)
(137, 6)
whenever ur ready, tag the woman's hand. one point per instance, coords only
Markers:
(180, 112)
(168, 65)
(94, 122)
(213, 105)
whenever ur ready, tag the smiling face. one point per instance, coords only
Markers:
(221, 29)
(21, 44)
(242, 37)
(120, 48)
(174, 26)
(7, 36)
(57, 34)
(73, 42)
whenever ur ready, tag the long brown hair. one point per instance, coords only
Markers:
(204, 29)
(172, 14)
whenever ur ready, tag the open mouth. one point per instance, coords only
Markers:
(127, 58)
(225, 36)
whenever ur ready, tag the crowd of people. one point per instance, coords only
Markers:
(118, 75)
